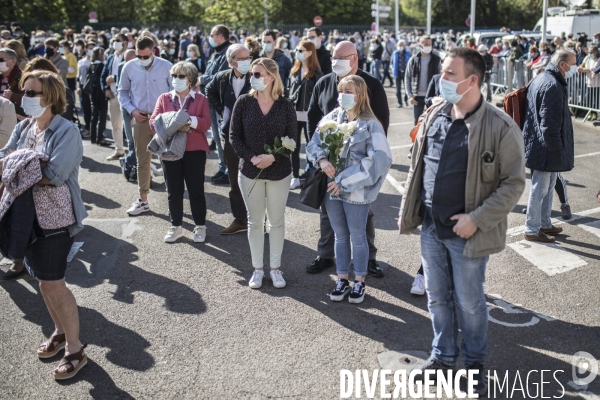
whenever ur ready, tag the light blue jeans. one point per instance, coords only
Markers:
(376, 69)
(349, 223)
(214, 127)
(451, 279)
(539, 206)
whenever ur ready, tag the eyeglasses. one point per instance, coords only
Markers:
(178, 76)
(29, 93)
(243, 59)
(257, 75)
(142, 57)
(342, 57)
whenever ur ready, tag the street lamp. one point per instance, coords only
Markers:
(266, 16)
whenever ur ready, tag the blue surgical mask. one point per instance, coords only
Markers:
(212, 42)
(448, 91)
(571, 72)
(243, 66)
(300, 56)
(316, 42)
(180, 84)
(267, 47)
(258, 84)
(346, 101)
(190, 54)
(595, 41)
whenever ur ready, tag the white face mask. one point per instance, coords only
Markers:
(400, 48)
(3, 67)
(171, 52)
(130, 45)
(341, 67)
(426, 49)
(90, 52)
(316, 42)
(32, 106)
(243, 66)
(118, 46)
(190, 54)
(78, 48)
(145, 63)
(258, 84)
(180, 84)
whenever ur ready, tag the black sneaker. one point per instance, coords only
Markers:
(565, 209)
(431, 364)
(342, 288)
(480, 377)
(221, 180)
(217, 175)
(358, 293)
(213, 145)
(374, 269)
(319, 264)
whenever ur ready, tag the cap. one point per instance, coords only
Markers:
(482, 47)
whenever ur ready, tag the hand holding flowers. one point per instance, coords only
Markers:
(283, 147)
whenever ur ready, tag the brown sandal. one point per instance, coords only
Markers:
(66, 369)
(52, 346)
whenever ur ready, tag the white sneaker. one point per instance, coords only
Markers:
(257, 277)
(277, 278)
(174, 233)
(418, 286)
(156, 171)
(295, 184)
(138, 207)
(200, 234)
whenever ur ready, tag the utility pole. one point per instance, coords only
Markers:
(472, 17)
(266, 16)
(377, 15)
(429, 17)
(397, 16)
(545, 22)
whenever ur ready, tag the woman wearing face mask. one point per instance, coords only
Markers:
(53, 54)
(258, 118)
(98, 98)
(193, 56)
(65, 50)
(591, 63)
(189, 170)
(57, 213)
(18, 48)
(303, 78)
(352, 189)
(282, 44)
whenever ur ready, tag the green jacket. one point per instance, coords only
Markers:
(492, 189)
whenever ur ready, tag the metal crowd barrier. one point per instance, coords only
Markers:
(583, 90)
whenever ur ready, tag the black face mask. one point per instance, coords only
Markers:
(50, 52)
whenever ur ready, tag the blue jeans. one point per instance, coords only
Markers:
(130, 158)
(376, 69)
(451, 277)
(349, 223)
(539, 206)
(214, 127)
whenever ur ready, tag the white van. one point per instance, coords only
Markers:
(571, 21)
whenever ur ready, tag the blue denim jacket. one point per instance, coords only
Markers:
(368, 159)
(62, 143)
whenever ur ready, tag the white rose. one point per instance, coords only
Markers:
(327, 125)
(288, 143)
(352, 126)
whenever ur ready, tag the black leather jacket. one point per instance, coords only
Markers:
(300, 89)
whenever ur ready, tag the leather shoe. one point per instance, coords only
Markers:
(221, 180)
(234, 228)
(9, 275)
(540, 237)
(319, 264)
(553, 230)
(374, 269)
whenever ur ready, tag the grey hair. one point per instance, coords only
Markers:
(234, 48)
(188, 69)
(561, 55)
(9, 52)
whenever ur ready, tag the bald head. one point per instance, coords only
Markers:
(129, 55)
(345, 50)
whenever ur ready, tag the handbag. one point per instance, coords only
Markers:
(314, 189)
(88, 83)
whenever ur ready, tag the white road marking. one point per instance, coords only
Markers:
(592, 227)
(548, 257)
(588, 154)
(509, 308)
(400, 147)
(401, 123)
(555, 221)
(396, 184)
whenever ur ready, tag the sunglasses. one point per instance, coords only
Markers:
(142, 57)
(29, 93)
(2, 60)
(257, 75)
(300, 51)
(178, 76)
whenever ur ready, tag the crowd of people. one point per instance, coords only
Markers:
(255, 97)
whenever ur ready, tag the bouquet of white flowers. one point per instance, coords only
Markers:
(284, 147)
(334, 137)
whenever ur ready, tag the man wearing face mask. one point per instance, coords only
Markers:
(420, 70)
(84, 99)
(219, 41)
(400, 59)
(269, 38)
(549, 145)
(222, 93)
(324, 100)
(142, 82)
(53, 55)
(316, 36)
(108, 83)
(467, 173)
(10, 76)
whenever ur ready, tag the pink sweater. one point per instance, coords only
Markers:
(196, 139)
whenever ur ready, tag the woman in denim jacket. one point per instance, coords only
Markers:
(352, 189)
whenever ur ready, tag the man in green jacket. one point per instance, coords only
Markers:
(467, 174)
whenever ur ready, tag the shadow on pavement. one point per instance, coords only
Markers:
(98, 200)
(95, 166)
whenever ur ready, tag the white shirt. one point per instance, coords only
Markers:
(238, 84)
(192, 94)
(115, 70)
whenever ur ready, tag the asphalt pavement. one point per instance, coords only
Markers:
(175, 321)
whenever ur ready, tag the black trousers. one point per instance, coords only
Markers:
(99, 114)
(327, 239)
(561, 189)
(236, 200)
(189, 171)
(386, 73)
(302, 126)
(419, 108)
(86, 105)
(72, 83)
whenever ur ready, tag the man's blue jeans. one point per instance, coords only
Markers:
(214, 127)
(451, 277)
(376, 69)
(539, 206)
(130, 158)
(349, 223)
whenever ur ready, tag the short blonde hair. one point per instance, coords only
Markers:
(273, 70)
(193, 47)
(54, 92)
(188, 69)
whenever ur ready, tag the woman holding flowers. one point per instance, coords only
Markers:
(264, 134)
(356, 156)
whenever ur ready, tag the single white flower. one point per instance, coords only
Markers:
(288, 143)
(436, 100)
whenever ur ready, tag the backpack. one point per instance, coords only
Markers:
(515, 104)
